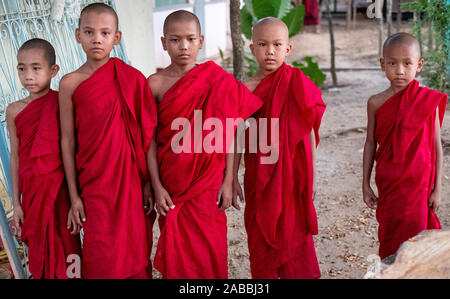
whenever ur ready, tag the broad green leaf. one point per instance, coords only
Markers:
(311, 70)
(295, 20)
(271, 8)
(246, 22)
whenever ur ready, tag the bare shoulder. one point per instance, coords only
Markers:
(377, 100)
(14, 109)
(71, 81)
(161, 82)
(155, 80)
(252, 83)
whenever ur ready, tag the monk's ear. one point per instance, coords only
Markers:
(54, 70)
(163, 41)
(382, 63)
(77, 35)
(252, 48)
(420, 65)
(117, 37)
(202, 40)
(289, 50)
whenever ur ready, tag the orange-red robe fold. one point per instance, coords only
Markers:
(280, 216)
(115, 115)
(45, 200)
(193, 241)
(406, 164)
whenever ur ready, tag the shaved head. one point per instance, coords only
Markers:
(401, 39)
(44, 46)
(263, 24)
(181, 16)
(99, 8)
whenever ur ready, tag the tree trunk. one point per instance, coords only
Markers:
(349, 14)
(333, 49)
(236, 37)
(380, 32)
(354, 13)
(389, 17)
(399, 16)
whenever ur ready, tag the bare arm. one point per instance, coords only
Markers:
(11, 114)
(68, 146)
(225, 194)
(163, 200)
(369, 157)
(312, 141)
(435, 198)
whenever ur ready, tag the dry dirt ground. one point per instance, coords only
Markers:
(347, 228)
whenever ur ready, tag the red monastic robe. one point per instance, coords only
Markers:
(45, 200)
(193, 241)
(280, 217)
(406, 164)
(115, 115)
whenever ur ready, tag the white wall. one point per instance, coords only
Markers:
(217, 27)
(136, 23)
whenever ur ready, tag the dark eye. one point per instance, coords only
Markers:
(20, 69)
(105, 33)
(88, 32)
(277, 45)
(36, 68)
(262, 44)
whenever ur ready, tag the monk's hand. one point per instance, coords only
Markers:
(148, 198)
(78, 212)
(72, 224)
(369, 197)
(18, 219)
(225, 196)
(314, 190)
(435, 200)
(237, 191)
(163, 201)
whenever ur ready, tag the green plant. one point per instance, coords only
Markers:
(434, 13)
(311, 69)
(255, 10)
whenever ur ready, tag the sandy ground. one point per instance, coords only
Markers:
(347, 228)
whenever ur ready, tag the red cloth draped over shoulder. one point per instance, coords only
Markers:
(279, 195)
(406, 164)
(193, 241)
(115, 115)
(45, 200)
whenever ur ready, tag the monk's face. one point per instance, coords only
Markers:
(35, 72)
(183, 42)
(401, 63)
(270, 45)
(98, 34)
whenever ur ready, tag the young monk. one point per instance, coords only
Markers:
(193, 186)
(36, 166)
(280, 218)
(403, 137)
(107, 118)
